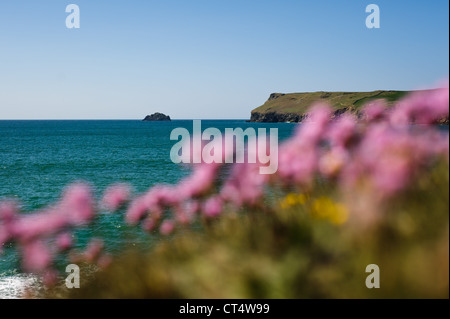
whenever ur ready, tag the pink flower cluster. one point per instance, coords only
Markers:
(380, 150)
(383, 150)
(422, 107)
(42, 235)
(181, 199)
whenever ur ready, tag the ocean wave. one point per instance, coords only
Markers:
(14, 286)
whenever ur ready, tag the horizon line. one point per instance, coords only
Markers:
(140, 120)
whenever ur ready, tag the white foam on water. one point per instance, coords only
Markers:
(15, 286)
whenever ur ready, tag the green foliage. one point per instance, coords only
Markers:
(287, 251)
(299, 103)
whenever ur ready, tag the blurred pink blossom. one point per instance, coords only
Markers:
(185, 212)
(149, 224)
(422, 107)
(297, 161)
(213, 207)
(299, 156)
(36, 256)
(93, 250)
(64, 241)
(245, 186)
(40, 224)
(136, 211)
(341, 132)
(167, 227)
(374, 111)
(77, 204)
(8, 211)
(200, 182)
(115, 196)
(332, 162)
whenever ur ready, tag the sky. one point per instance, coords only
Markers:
(209, 59)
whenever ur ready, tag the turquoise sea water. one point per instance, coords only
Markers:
(39, 158)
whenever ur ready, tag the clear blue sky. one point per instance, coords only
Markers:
(208, 58)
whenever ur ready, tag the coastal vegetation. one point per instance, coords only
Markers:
(349, 192)
(293, 107)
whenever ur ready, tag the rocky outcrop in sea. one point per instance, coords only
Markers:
(157, 117)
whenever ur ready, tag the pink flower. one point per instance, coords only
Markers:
(213, 207)
(316, 123)
(115, 196)
(41, 224)
(200, 182)
(162, 196)
(422, 107)
(149, 224)
(390, 157)
(93, 250)
(375, 111)
(78, 204)
(64, 241)
(136, 211)
(36, 256)
(185, 212)
(153, 202)
(299, 156)
(392, 174)
(342, 131)
(167, 227)
(383, 157)
(8, 210)
(332, 162)
(75, 208)
(297, 161)
(4, 237)
(245, 186)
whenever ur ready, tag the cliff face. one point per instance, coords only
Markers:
(293, 107)
(274, 117)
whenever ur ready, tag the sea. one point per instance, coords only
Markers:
(39, 158)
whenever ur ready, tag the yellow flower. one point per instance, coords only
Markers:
(325, 208)
(293, 199)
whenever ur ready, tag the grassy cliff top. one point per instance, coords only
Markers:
(299, 103)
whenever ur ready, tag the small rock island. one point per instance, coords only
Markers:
(157, 117)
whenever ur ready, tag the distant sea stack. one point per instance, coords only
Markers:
(293, 107)
(157, 117)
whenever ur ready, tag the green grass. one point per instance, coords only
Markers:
(299, 103)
